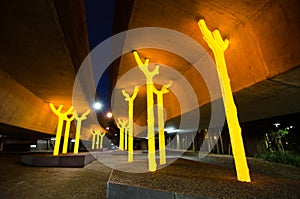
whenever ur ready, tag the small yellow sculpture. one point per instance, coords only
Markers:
(93, 138)
(61, 117)
(122, 125)
(161, 122)
(101, 134)
(130, 121)
(78, 128)
(218, 46)
(150, 112)
(97, 138)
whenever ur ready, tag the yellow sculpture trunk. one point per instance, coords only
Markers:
(97, 140)
(151, 134)
(126, 137)
(150, 113)
(122, 126)
(101, 139)
(58, 136)
(77, 137)
(130, 132)
(67, 131)
(161, 124)
(161, 133)
(130, 121)
(93, 139)
(218, 46)
(121, 141)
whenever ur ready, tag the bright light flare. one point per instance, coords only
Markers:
(109, 115)
(97, 106)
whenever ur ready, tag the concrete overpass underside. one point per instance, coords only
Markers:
(262, 58)
(42, 46)
(44, 42)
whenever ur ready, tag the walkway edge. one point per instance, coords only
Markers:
(120, 191)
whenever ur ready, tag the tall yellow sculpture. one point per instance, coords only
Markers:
(61, 118)
(122, 124)
(161, 122)
(218, 46)
(130, 121)
(150, 112)
(78, 128)
(67, 131)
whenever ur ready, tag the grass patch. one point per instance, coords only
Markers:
(284, 158)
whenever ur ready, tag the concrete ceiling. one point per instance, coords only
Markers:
(42, 45)
(262, 59)
(44, 42)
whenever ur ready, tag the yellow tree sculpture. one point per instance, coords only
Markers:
(67, 131)
(130, 121)
(93, 138)
(218, 46)
(78, 128)
(161, 122)
(101, 134)
(150, 112)
(97, 138)
(122, 125)
(61, 118)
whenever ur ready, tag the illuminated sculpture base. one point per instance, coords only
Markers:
(48, 160)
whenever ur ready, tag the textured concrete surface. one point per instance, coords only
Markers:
(20, 107)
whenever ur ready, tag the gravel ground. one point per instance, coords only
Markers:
(213, 177)
(20, 181)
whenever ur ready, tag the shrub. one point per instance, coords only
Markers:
(285, 158)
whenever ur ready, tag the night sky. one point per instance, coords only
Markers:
(99, 17)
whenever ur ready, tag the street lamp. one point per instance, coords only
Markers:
(97, 106)
(109, 115)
